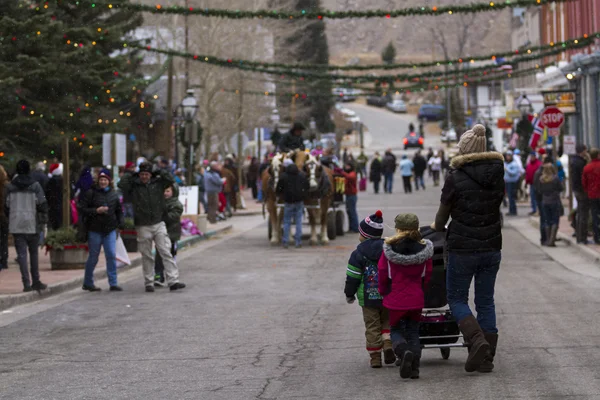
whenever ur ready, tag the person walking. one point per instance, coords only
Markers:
(213, 185)
(199, 178)
(512, 174)
(27, 210)
(577, 164)
(435, 163)
(351, 195)
(389, 165)
(420, 167)
(532, 166)
(550, 188)
(3, 220)
(229, 172)
(406, 169)
(591, 184)
(294, 187)
(252, 177)
(404, 270)
(54, 196)
(147, 192)
(362, 282)
(85, 181)
(102, 216)
(375, 172)
(172, 218)
(40, 175)
(474, 242)
(536, 178)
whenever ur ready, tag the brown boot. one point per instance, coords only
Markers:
(488, 363)
(375, 359)
(478, 346)
(389, 357)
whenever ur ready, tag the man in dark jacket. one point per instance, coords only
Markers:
(276, 137)
(472, 195)
(389, 165)
(292, 140)
(27, 211)
(420, 166)
(294, 187)
(147, 194)
(40, 175)
(577, 164)
(375, 172)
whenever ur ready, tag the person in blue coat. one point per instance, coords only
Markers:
(406, 169)
(512, 174)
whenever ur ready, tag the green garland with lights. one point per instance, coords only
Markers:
(329, 14)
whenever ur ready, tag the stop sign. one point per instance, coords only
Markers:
(552, 118)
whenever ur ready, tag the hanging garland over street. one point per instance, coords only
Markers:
(486, 6)
(253, 66)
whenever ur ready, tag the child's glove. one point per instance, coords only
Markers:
(350, 300)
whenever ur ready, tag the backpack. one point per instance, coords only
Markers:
(371, 280)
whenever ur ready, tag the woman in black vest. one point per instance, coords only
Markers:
(472, 195)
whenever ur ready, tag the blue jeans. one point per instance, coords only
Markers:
(532, 198)
(511, 192)
(292, 210)
(542, 223)
(551, 214)
(419, 181)
(351, 211)
(462, 268)
(109, 242)
(406, 332)
(388, 181)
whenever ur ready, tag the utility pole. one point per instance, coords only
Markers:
(169, 123)
(240, 127)
(293, 112)
(187, 44)
(66, 189)
(448, 113)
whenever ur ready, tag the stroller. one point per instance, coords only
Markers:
(438, 328)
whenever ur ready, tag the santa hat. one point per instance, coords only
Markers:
(56, 169)
(372, 226)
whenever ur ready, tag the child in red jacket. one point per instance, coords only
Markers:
(404, 269)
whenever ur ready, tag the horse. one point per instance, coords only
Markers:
(270, 178)
(320, 194)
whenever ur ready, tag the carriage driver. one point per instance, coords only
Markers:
(293, 139)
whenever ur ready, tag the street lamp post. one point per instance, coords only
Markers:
(189, 108)
(313, 127)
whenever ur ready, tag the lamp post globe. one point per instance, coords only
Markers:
(189, 106)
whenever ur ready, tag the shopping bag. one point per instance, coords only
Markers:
(362, 185)
(122, 256)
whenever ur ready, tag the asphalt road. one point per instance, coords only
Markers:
(258, 322)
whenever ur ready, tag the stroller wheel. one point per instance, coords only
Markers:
(445, 353)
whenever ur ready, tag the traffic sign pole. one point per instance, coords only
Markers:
(552, 119)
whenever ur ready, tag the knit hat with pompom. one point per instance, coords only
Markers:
(473, 141)
(372, 226)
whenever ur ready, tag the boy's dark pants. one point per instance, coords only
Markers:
(159, 268)
(377, 329)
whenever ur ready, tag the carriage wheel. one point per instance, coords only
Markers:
(445, 353)
(340, 218)
(331, 228)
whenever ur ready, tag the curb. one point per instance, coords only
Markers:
(590, 254)
(12, 300)
(247, 213)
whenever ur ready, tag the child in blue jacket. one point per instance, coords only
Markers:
(362, 281)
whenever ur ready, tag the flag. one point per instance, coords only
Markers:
(537, 133)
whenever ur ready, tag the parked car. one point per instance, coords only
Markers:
(413, 140)
(431, 112)
(397, 106)
(449, 135)
(378, 101)
(345, 94)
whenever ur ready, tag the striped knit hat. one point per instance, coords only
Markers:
(372, 226)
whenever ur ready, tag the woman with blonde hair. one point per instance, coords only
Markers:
(3, 220)
(550, 187)
(404, 268)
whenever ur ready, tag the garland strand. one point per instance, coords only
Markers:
(321, 14)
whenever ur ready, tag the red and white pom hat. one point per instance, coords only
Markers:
(372, 226)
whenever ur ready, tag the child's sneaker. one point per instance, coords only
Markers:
(376, 359)
(159, 281)
(388, 356)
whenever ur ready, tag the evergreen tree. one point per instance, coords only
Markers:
(388, 55)
(65, 71)
(307, 43)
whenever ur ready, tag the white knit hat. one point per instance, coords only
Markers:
(473, 141)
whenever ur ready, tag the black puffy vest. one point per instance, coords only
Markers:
(479, 190)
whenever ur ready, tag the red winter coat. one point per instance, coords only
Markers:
(409, 263)
(531, 169)
(591, 179)
(350, 177)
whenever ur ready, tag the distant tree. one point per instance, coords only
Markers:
(388, 55)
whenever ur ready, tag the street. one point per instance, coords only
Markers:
(261, 322)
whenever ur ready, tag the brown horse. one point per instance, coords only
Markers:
(270, 177)
(321, 193)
